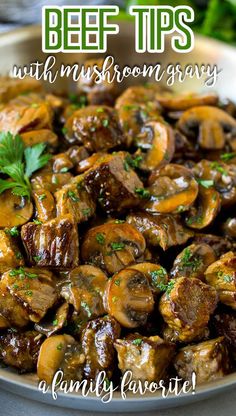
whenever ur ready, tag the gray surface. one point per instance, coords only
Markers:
(222, 405)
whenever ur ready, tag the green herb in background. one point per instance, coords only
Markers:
(215, 18)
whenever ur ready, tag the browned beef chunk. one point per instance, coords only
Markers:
(20, 349)
(98, 345)
(115, 188)
(11, 87)
(96, 128)
(224, 324)
(73, 199)
(52, 244)
(10, 256)
(147, 358)
(187, 306)
(209, 360)
(164, 230)
(33, 288)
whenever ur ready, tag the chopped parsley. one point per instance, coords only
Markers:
(227, 156)
(19, 255)
(37, 222)
(105, 122)
(86, 308)
(143, 193)
(132, 162)
(14, 232)
(72, 195)
(55, 322)
(137, 341)
(119, 221)
(64, 170)
(42, 197)
(100, 238)
(59, 346)
(156, 275)
(117, 282)
(64, 130)
(219, 168)
(117, 246)
(37, 258)
(205, 183)
(188, 260)
(86, 211)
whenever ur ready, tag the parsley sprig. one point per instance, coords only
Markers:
(19, 163)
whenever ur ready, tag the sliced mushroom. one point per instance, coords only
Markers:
(155, 273)
(173, 190)
(12, 87)
(193, 261)
(184, 101)
(164, 230)
(61, 163)
(205, 210)
(129, 298)
(84, 289)
(229, 227)
(222, 276)
(51, 182)
(219, 244)
(112, 246)
(223, 177)
(56, 324)
(212, 123)
(89, 162)
(54, 353)
(14, 210)
(157, 143)
(135, 107)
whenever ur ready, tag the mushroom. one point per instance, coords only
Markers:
(129, 298)
(94, 127)
(206, 208)
(157, 143)
(14, 210)
(212, 123)
(229, 227)
(135, 107)
(55, 324)
(193, 261)
(84, 289)
(4, 324)
(222, 276)
(54, 354)
(156, 275)
(89, 162)
(173, 189)
(221, 175)
(184, 101)
(30, 138)
(112, 246)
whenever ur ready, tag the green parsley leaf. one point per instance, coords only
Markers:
(137, 341)
(143, 193)
(205, 183)
(35, 159)
(117, 246)
(14, 232)
(227, 156)
(73, 196)
(100, 238)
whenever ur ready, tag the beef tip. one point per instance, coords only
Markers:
(49, 181)
(20, 349)
(31, 138)
(164, 230)
(73, 199)
(222, 276)
(112, 246)
(193, 261)
(12, 311)
(53, 243)
(172, 335)
(224, 324)
(84, 288)
(97, 93)
(22, 117)
(187, 305)
(129, 298)
(219, 244)
(96, 128)
(60, 352)
(45, 205)
(209, 360)
(12, 87)
(61, 163)
(10, 256)
(115, 188)
(147, 358)
(98, 346)
(33, 288)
